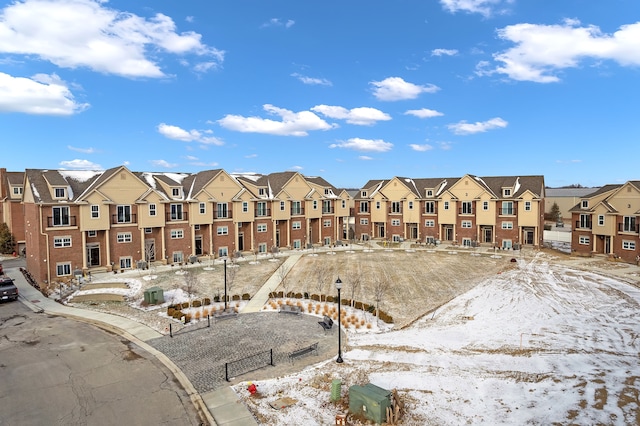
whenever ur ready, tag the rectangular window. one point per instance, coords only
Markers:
(296, 244)
(296, 225)
(177, 234)
(585, 221)
(283, 206)
(59, 192)
(261, 191)
(245, 207)
(364, 207)
(17, 190)
(91, 234)
(262, 227)
(262, 248)
(628, 245)
(125, 263)
(147, 230)
(600, 220)
(527, 206)
(222, 210)
(507, 225)
(507, 192)
(507, 208)
(223, 252)
(326, 223)
(395, 238)
(466, 224)
(202, 208)
(395, 222)
(485, 205)
(315, 204)
(326, 241)
(123, 214)
(95, 211)
(429, 193)
(466, 242)
(177, 257)
(430, 207)
(410, 205)
(261, 208)
(378, 205)
(61, 216)
(176, 212)
(175, 192)
(364, 221)
(196, 227)
(222, 230)
(326, 207)
(124, 237)
(429, 223)
(396, 207)
(59, 242)
(344, 204)
(446, 205)
(629, 224)
(152, 209)
(584, 240)
(363, 194)
(466, 208)
(585, 204)
(506, 244)
(63, 269)
(296, 208)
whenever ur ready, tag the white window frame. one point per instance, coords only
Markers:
(245, 207)
(262, 247)
(177, 234)
(59, 193)
(126, 262)
(446, 205)
(429, 193)
(507, 192)
(326, 241)
(315, 204)
(153, 211)
(62, 241)
(364, 221)
(196, 227)
(507, 244)
(63, 269)
(261, 227)
(178, 257)
(175, 192)
(296, 208)
(430, 207)
(95, 211)
(326, 223)
(506, 225)
(283, 206)
(467, 224)
(395, 222)
(527, 206)
(148, 230)
(364, 207)
(410, 204)
(628, 245)
(344, 204)
(429, 223)
(296, 225)
(176, 211)
(92, 233)
(628, 224)
(466, 242)
(222, 230)
(584, 204)
(584, 240)
(297, 244)
(124, 237)
(485, 205)
(17, 190)
(223, 252)
(395, 238)
(600, 220)
(124, 212)
(202, 208)
(378, 205)
(61, 216)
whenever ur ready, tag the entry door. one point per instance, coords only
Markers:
(241, 241)
(277, 238)
(488, 235)
(528, 237)
(150, 250)
(198, 245)
(607, 244)
(93, 255)
(413, 231)
(448, 233)
(380, 231)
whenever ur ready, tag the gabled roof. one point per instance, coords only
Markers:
(15, 178)
(195, 183)
(76, 183)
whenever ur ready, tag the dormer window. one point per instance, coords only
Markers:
(59, 193)
(261, 191)
(506, 192)
(327, 191)
(429, 193)
(17, 190)
(363, 194)
(585, 204)
(175, 192)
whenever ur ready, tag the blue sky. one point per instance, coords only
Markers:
(348, 90)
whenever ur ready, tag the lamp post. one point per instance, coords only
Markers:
(339, 286)
(225, 285)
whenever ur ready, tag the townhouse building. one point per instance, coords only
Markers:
(503, 212)
(11, 211)
(607, 222)
(83, 221)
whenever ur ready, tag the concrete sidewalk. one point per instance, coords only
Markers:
(262, 296)
(222, 408)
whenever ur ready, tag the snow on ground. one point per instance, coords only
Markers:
(537, 344)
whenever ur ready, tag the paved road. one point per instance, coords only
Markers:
(55, 371)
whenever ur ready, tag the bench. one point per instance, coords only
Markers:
(290, 309)
(326, 323)
(303, 351)
(225, 315)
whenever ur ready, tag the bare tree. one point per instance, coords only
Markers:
(230, 276)
(354, 281)
(190, 283)
(283, 272)
(321, 274)
(381, 285)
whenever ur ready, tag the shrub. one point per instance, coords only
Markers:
(216, 298)
(298, 296)
(246, 296)
(346, 302)
(306, 295)
(187, 318)
(358, 305)
(196, 304)
(185, 305)
(177, 314)
(280, 294)
(371, 308)
(386, 317)
(207, 301)
(235, 297)
(291, 294)
(315, 297)
(329, 299)
(170, 311)
(197, 315)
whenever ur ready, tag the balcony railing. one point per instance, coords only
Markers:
(470, 211)
(64, 221)
(262, 212)
(177, 216)
(628, 228)
(583, 224)
(329, 210)
(222, 214)
(126, 218)
(395, 211)
(507, 211)
(298, 211)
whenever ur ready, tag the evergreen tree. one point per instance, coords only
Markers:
(555, 212)
(7, 242)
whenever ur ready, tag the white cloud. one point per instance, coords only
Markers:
(424, 113)
(365, 158)
(464, 128)
(396, 89)
(164, 164)
(292, 124)
(358, 144)
(485, 8)
(296, 168)
(251, 156)
(41, 94)
(543, 50)
(277, 22)
(362, 116)
(177, 133)
(421, 148)
(444, 52)
(311, 80)
(80, 165)
(86, 33)
(82, 150)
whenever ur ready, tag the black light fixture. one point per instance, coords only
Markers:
(225, 284)
(339, 286)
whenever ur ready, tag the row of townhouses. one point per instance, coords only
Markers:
(68, 221)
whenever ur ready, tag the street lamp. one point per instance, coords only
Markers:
(339, 286)
(225, 285)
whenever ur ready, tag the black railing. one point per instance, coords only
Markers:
(628, 228)
(123, 218)
(222, 214)
(327, 211)
(177, 216)
(583, 224)
(467, 211)
(262, 212)
(297, 211)
(507, 211)
(397, 210)
(61, 221)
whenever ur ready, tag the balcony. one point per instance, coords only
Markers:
(222, 214)
(177, 216)
(61, 221)
(470, 211)
(629, 228)
(507, 212)
(262, 212)
(395, 210)
(126, 218)
(583, 224)
(297, 211)
(329, 210)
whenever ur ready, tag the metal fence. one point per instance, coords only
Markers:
(247, 364)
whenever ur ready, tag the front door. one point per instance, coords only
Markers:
(528, 237)
(241, 241)
(93, 255)
(448, 233)
(488, 235)
(277, 238)
(380, 230)
(150, 250)
(198, 251)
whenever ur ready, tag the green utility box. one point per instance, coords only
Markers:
(370, 401)
(154, 296)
